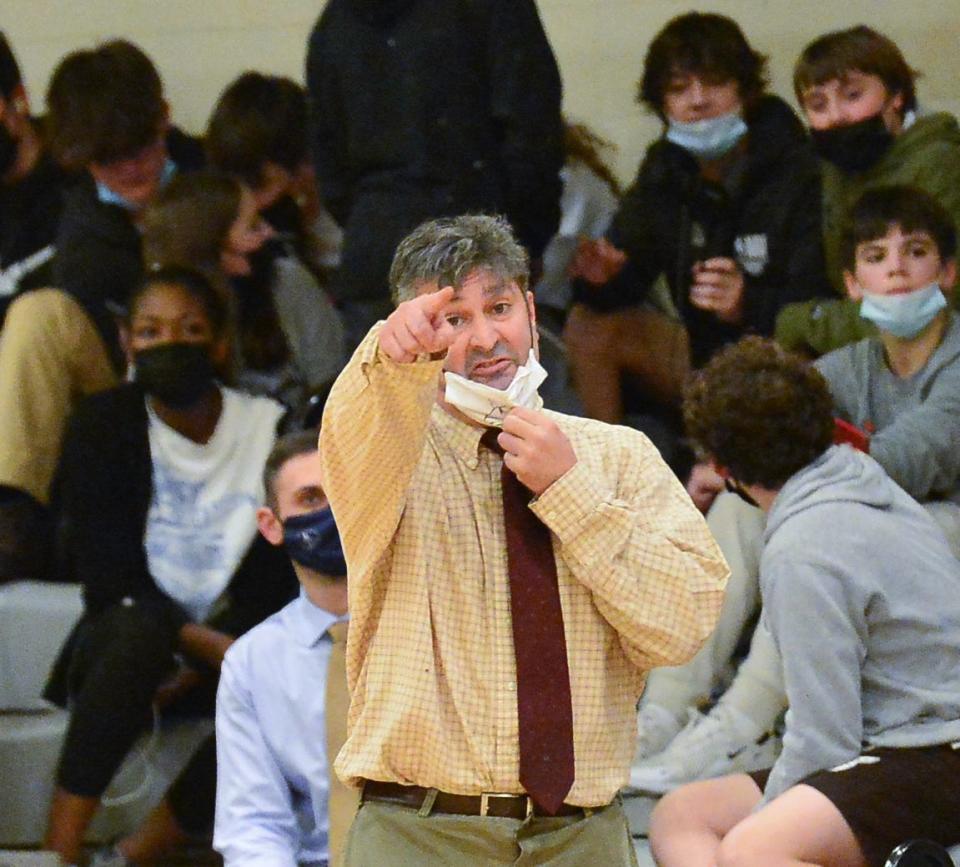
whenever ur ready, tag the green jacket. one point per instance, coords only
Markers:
(927, 155)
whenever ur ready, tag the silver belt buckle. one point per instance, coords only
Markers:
(486, 796)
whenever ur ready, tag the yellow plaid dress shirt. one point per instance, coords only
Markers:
(430, 659)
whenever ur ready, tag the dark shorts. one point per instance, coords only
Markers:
(893, 795)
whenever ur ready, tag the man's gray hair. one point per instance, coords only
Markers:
(449, 249)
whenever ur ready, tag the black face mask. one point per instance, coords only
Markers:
(856, 146)
(8, 150)
(177, 374)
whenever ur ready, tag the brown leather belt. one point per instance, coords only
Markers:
(503, 806)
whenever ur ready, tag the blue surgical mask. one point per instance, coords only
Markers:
(708, 139)
(312, 540)
(109, 197)
(904, 315)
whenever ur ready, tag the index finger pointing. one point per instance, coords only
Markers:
(434, 302)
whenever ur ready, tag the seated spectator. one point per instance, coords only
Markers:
(157, 491)
(725, 208)
(274, 785)
(588, 203)
(859, 98)
(861, 596)
(31, 188)
(258, 133)
(108, 119)
(901, 389)
(209, 221)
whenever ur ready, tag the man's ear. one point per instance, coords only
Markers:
(854, 290)
(719, 469)
(20, 100)
(948, 275)
(269, 526)
(532, 313)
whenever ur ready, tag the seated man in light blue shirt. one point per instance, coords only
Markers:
(274, 702)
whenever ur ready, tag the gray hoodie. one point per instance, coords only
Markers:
(917, 420)
(862, 597)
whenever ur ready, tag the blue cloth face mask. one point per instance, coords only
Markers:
(109, 197)
(904, 315)
(312, 540)
(708, 139)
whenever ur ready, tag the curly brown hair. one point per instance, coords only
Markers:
(760, 412)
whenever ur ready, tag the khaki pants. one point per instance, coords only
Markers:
(389, 835)
(638, 341)
(50, 356)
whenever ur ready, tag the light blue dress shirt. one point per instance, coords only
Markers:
(272, 767)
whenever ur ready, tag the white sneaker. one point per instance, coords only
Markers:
(708, 747)
(108, 856)
(656, 728)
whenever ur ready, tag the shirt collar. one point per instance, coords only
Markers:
(308, 622)
(460, 436)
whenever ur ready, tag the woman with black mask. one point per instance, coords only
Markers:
(859, 99)
(157, 494)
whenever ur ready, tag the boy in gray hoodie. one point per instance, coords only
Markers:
(861, 596)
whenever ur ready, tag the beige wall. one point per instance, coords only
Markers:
(199, 45)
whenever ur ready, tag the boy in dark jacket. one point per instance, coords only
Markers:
(108, 119)
(725, 207)
(31, 188)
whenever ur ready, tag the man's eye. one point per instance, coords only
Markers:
(501, 308)
(454, 321)
(853, 95)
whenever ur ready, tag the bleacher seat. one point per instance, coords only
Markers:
(35, 619)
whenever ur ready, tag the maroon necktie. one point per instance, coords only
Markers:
(544, 711)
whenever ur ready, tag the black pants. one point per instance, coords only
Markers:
(120, 657)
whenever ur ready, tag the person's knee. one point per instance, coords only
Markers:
(589, 334)
(38, 312)
(133, 637)
(680, 810)
(743, 846)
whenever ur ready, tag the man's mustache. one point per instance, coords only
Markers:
(500, 350)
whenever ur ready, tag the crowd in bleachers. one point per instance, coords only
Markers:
(175, 307)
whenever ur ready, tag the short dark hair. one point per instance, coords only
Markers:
(913, 210)
(104, 104)
(859, 49)
(760, 412)
(291, 445)
(10, 77)
(258, 119)
(701, 43)
(449, 249)
(193, 283)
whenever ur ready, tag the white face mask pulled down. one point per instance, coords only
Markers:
(489, 406)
